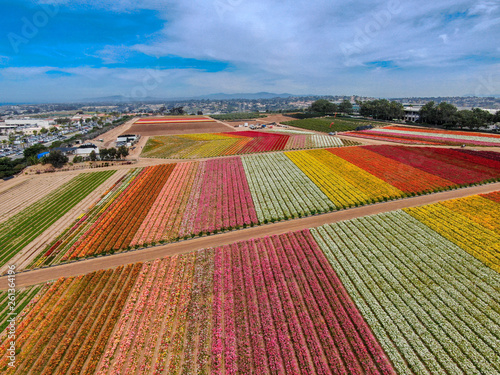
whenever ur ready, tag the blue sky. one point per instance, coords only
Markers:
(57, 50)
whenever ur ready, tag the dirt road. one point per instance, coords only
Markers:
(89, 265)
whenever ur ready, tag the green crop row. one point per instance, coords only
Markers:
(21, 229)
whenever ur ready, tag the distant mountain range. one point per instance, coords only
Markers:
(218, 96)
(258, 95)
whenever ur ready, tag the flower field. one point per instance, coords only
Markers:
(403, 134)
(192, 146)
(281, 190)
(252, 307)
(471, 223)
(23, 298)
(158, 204)
(22, 228)
(381, 294)
(433, 307)
(172, 119)
(169, 202)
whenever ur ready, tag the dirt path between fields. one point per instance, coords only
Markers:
(115, 260)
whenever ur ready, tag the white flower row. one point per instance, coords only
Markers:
(279, 188)
(414, 289)
(434, 294)
(326, 141)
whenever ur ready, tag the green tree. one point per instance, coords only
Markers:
(62, 121)
(382, 109)
(345, 107)
(93, 156)
(470, 119)
(10, 167)
(427, 114)
(56, 158)
(323, 107)
(177, 111)
(34, 150)
(446, 114)
(443, 114)
(122, 152)
(112, 152)
(103, 153)
(44, 131)
(484, 117)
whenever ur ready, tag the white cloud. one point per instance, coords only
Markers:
(319, 46)
(279, 38)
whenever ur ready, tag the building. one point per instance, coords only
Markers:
(127, 139)
(85, 150)
(412, 113)
(67, 150)
(78, 118)
(6, 129)
(27, 126)
(28, 123)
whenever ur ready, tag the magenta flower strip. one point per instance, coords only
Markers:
(298, 328)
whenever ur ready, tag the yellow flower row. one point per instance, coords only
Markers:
(481, 210)
(204, 137)
(166, 146)
(476, 239)
(340, 191)
(364, 181)
(344, 183)
(211, 148)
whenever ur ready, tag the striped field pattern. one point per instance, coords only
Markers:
(386, 294)
(169, 202)
(192, 146)
(403, 134)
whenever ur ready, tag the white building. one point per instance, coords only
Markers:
(412, 113)
(128, 139)
(85, 150)
(31, 123)
(6, 129)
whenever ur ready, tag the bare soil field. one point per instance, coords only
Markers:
(24, 257)
(179, 128)
(90, 265)
(277, 118)
(28, 191)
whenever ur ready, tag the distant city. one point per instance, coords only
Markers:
(268, 102)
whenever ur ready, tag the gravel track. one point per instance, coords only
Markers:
(115, 260)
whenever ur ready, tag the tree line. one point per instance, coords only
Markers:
(448, 116)
(382, 109)
(443, 114)
(326, 107)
